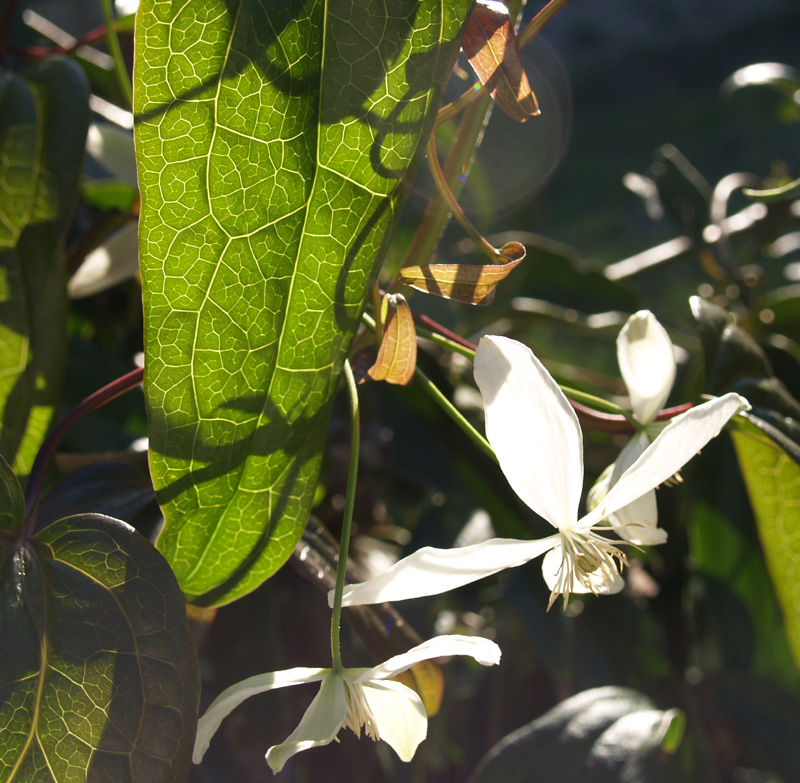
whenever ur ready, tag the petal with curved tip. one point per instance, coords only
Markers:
(638, 521)
(430, 571)
(399, 716)
(232, 697)
(532, 428)
(484, 651)
(678, 442)
(647, 362)
(551, 571)
(319, 726)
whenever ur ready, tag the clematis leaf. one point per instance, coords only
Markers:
(43, 122)
(100, 679)
(275, 143)
(397, 357)
(469, 283)
(491, 48)
(772, 478)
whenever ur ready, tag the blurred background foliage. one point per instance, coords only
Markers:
(641, 126)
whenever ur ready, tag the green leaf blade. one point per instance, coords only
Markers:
(274, 147)
(100, 680)
(45, 117)
(773, 484)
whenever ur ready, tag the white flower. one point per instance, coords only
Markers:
(537, 439)
(647, 363)
(351, 698)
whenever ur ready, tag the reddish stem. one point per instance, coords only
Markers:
(40, 52)
(91, 403)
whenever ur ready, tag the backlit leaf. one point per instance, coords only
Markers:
(397, 357)
(470, 283)
(773, 484)
(491, 47)
(274, 144)
(43, 120)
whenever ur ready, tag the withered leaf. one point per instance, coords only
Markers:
(397, 357)
(469, 283)
(491, 47)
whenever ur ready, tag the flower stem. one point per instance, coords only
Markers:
(454, 413)
(347, 521)
(115, 50)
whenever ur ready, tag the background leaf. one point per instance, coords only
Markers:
(604, 734)
(773, 484)
(43, 121)
(100, 678)
(274, 147)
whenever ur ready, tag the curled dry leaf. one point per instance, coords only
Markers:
(469, 283)
(491, 48)
(397, 357)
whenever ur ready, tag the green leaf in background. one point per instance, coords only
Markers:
(100, 679)
(275, 143)
(43, 120)
(773, 484)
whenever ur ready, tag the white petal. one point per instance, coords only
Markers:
(532, 428)
(113, 149)
(319, 726)
(430, 571)
(399, 715)
(638, 521)
(113, 261)
(551, 568)
(484, 651)
(232, 697)
(680, 440)
(647, 362)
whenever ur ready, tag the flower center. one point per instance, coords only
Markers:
(358, 712)
(589, 560)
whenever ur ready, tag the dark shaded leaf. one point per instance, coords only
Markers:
(100, 680)
(43, 122)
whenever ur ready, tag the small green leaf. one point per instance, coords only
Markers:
(100, 679)
(773, 484)
(43, 122)
(275, 142)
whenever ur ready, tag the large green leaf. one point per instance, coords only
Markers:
(99, 679)
(773, 484)
(275, 142)
(43, 121)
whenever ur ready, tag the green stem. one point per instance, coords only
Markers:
(454, 413)
(443, 342)
(347, 521)
(116, 53)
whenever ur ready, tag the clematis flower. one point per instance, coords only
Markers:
(351, 698)
(537, 439)
(647, 363)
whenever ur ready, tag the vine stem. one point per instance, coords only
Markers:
(53, 440)
(454, 413)
(347, 520)
(115, 50)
